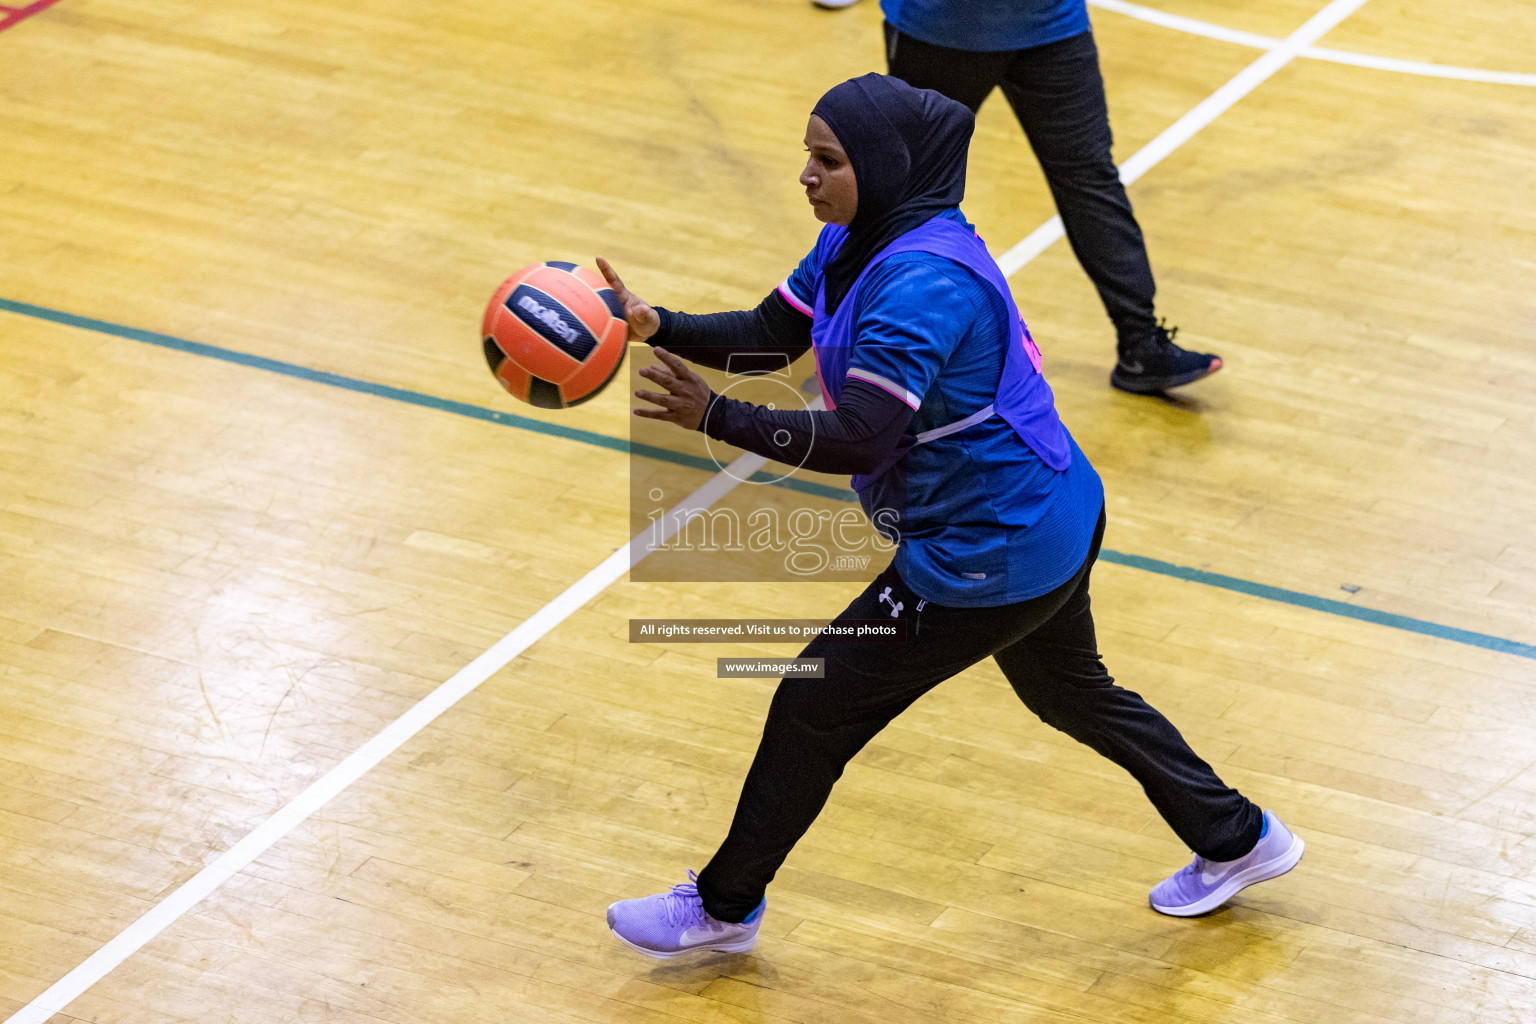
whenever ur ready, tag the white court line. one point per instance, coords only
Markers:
(1179, 23)
(1418, 67)
(1184, 129)
(1364, 60)
(395, 735)
(320, 792)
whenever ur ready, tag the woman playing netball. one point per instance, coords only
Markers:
(938, 408)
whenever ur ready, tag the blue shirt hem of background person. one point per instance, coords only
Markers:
(984, 522)
(988, 26)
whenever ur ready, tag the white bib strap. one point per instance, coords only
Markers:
(955, 427)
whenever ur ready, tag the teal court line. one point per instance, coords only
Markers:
(476, 412)
(1320, 604)
(618, 444)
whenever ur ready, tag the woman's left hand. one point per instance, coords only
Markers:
(687, 397)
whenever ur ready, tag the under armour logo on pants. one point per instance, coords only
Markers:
(896, 606)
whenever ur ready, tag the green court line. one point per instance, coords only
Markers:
(618, 444)
(477, 412)
(1320, 604)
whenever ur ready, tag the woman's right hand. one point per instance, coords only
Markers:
(642, 319)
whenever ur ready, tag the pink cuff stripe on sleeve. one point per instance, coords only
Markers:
(793, 299)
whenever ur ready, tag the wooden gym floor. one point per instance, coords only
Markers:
(220, 581)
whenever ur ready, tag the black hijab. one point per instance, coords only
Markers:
(907, 147)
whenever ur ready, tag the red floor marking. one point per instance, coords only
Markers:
(11, 15)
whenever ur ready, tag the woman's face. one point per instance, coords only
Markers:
(828, 176)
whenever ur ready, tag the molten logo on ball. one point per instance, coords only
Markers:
(554, 334)
(549, 318)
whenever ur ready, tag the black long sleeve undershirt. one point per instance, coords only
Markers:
(858, 437)
(764, 339)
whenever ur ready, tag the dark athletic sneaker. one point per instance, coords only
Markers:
(1157, 364)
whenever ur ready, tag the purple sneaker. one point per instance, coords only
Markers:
(674, 922)
(1206, 884)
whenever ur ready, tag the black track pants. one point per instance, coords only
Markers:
(1047, 649)
(1057, 93)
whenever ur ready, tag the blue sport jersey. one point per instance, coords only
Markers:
(983, 520)
(987, 25)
